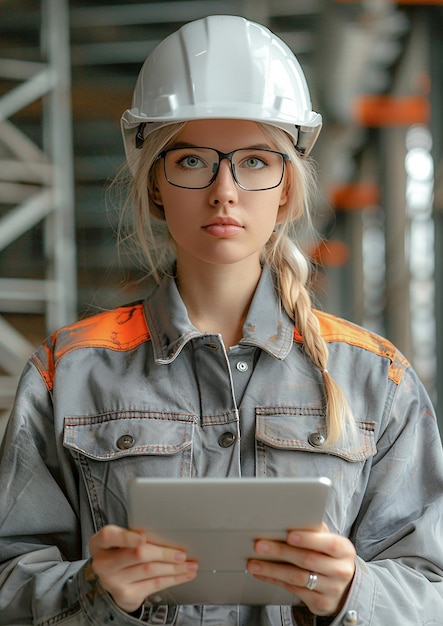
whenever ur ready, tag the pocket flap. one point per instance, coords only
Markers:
(296, 429)
(114, 435)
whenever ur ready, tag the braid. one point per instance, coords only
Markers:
(292, 269)
(289, 267)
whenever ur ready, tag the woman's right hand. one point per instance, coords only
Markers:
(130, 569)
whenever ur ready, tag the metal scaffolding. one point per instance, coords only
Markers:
(37, 188)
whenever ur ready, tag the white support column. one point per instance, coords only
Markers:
(36, 187)
(60, 228)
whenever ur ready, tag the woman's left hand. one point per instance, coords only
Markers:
(330, 559)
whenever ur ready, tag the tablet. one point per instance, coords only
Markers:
(217, 520)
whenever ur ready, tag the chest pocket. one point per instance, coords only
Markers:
(288, 443)
(113, 448)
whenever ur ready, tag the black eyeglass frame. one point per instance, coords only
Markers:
(221, 157)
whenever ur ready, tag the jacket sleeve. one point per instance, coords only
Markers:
(398, 534)
(45, 576)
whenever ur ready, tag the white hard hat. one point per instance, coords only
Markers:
(221, 67)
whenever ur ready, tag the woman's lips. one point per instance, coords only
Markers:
(223, 227)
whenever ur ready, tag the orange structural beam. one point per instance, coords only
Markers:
(332, 253)
(384, 110)
(355, 196)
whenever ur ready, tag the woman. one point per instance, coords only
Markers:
(227, 343)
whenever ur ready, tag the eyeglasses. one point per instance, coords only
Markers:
(197, 168)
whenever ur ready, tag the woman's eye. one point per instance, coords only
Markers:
(191, 162)
(254, 163)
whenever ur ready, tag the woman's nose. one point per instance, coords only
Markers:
(224, 188)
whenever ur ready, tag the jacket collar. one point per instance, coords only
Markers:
(267, 325)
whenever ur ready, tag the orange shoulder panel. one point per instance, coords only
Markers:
(121, 329)
(336, 329)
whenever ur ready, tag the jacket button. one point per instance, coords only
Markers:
(125, 442)
(226, 440)
(350, 619)
(316, 439)
(242, 366)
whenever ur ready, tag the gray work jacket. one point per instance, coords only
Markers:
(138, 391)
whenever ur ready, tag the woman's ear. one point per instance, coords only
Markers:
(156, 195)
(281, 214)
(283, 204)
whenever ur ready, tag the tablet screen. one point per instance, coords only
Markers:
(217, 520)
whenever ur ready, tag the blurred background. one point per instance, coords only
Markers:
(375, 70)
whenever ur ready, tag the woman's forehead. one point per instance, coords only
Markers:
(222, 133)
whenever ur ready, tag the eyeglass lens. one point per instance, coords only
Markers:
(196, 168)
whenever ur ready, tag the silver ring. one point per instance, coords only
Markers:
(312, 582)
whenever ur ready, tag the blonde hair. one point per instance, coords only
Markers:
(282, 254)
